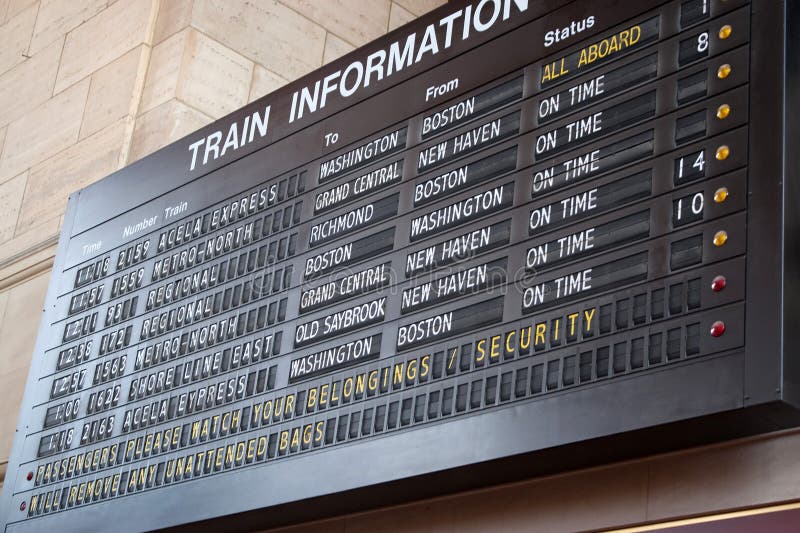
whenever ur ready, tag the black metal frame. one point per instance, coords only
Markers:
(729, 394)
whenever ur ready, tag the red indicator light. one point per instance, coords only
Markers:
(29, 476)
(22, 506)
(717, 328)
(718, 283)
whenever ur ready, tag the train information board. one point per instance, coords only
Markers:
(509, 238)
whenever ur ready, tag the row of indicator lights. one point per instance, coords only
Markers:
(721, 236)
(724, 70)
(721, 194)
(718, 328)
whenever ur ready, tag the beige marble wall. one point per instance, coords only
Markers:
(89, 86)
(746, 474)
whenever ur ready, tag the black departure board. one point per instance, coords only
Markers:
(510, 238)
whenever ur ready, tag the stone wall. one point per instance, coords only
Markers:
(89, 86)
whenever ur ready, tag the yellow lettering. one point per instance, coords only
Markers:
(129, 449)
(588, 316)
(262, 445)
(480, 351)
(509, 347)
(219, 459)
(312, 398)
(494, 352)
(195, 430)
(179, 462)
(251, 449)
(199, 462)
(209, 460)
(539, 338)
(397, 377)
(525, 343)
(554, 70)
(411, 371)
(106, 485)
(334, 394)
(623, 38)
(572, 317)
(323, 395)
(347, 388)
(425, 368)
(288, 406)
(636, 34)
(606, 47)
